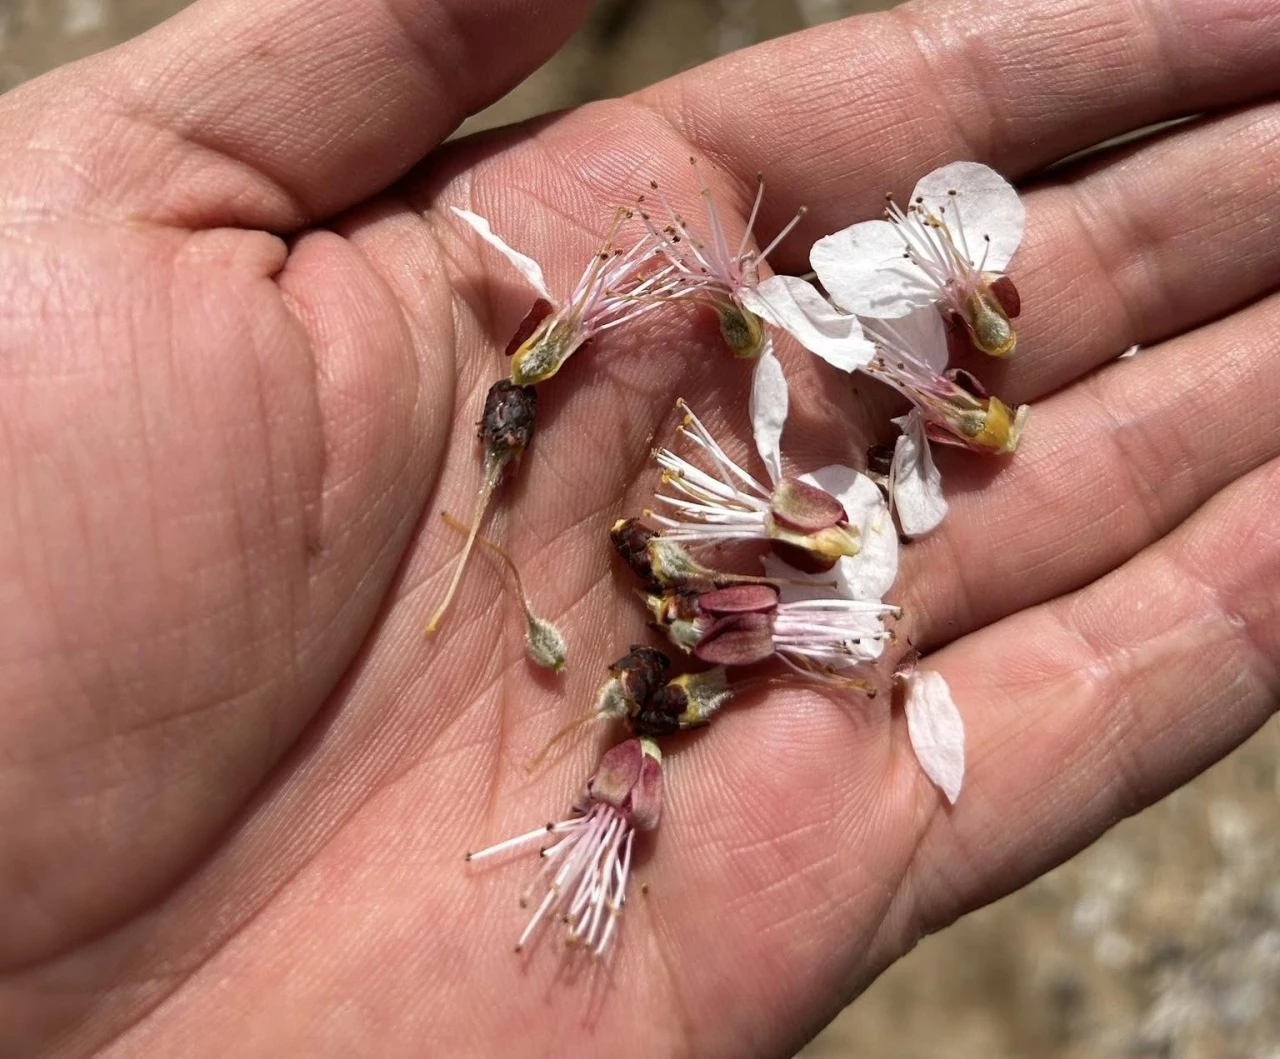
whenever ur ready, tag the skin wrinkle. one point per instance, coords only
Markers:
(926, 46)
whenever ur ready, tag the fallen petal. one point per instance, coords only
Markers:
(524, 264)
(936, 730)
(914, 482)
(768, 410)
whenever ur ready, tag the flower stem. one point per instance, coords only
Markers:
(493, 465)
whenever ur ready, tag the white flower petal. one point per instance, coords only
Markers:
(864, 269)
(985, 204)
(914, 482)
(871, 573)
(768, 409)
(937, 731)
(525, 265)
(795, 306)
(919, 337)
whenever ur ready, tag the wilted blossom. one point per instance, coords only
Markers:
(909, 353)
(663, 563)
(745, 624)
(611, 292)
(815, 622)
(707, 272)
(728, 504)
(948, 249)
(583, 881)
(506, 428)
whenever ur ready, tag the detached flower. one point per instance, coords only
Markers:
(854, 588)
(911, 356)
(633, 679)
(506, 428)
(688, 701)
(948, 249)
(706, 271)
(746, 624)
(609, 293)
(730, 505)
(935, 727)
(583, 881)
(660, 562)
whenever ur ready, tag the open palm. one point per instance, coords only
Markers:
(244, 347)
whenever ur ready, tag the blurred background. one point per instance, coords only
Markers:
(1162, 941)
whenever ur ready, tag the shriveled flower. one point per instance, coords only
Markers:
(935, 727)
(633, 678)
(949, 249)
(855, 586)
(506, 428)
(684, 702)
(911, 356)
(611, 292)
(746, 624)
(583, 881)
(728, 504)
(660, 562)
(707, 271)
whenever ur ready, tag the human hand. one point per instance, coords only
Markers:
(238, 782)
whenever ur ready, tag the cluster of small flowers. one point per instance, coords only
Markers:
(899, 297)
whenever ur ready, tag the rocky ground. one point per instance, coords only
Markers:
(1162, 941)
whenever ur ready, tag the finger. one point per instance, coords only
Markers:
(272, 115)
(1155, 240)
(1087, 709)
(1013, 84)
(1105, 468)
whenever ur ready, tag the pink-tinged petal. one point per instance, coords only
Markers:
(768, 409)
(914, 482)
(525, 265)
(803, 507)
(865, 270)
(984, 205)
(796, 307)
(871, 573)
(646, 796)
(936, 730)
(737, 640)
(617, 773)
(738, 599)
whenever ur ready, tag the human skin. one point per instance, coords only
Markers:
(244, 347)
